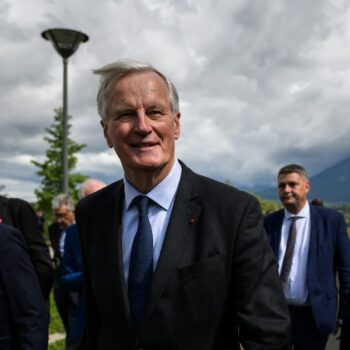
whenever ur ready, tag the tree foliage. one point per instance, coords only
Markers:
(51, 169)
(267, 206)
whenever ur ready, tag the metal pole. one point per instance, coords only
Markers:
(65, 129)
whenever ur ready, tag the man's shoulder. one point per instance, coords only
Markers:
(6, 231)
(71, 230)
(3, 199)
(213, 189)
(17, 210)
(326, 213)
(274, 217)
(8, 234)
(72, 238)
(13, 201)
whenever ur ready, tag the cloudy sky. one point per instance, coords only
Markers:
(262, 83)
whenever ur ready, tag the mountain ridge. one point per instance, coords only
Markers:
(332, 185)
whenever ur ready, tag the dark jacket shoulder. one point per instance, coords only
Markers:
(276, 215)
(8, 233)
(211, 189)
(326, 212)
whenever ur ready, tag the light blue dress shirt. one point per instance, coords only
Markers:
(61, 243)
(159, 211)
(296, 291)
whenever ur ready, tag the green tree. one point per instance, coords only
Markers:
(268, 206)
(51, 169)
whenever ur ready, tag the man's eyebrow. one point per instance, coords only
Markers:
(290, 183)
(156, 105)
(123, 107)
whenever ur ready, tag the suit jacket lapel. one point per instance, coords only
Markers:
(113, 226)
(181, 227)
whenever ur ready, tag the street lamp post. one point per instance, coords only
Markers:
(65, 42)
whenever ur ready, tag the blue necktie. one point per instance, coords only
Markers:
(141, 262)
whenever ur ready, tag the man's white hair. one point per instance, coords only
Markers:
(113, 72)
(62, 199)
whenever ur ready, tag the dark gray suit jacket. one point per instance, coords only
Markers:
(19, 214)
(23, 315)
(216, 272)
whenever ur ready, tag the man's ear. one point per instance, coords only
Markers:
(177, 125)
(308, 186)
(105, 133)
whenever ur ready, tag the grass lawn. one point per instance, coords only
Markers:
(56, 326)
(58, 345)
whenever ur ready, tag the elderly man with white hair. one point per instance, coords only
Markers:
(171, 259)
(63, 211)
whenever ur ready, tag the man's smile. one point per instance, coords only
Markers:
(144, 145)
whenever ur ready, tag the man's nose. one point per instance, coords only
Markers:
(143, 124)
(287, 188)
(60, 220)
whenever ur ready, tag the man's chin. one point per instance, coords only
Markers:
(146, 163)
(288, 202)
(287, 199)
(291, 206)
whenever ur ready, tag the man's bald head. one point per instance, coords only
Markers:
(90, 186)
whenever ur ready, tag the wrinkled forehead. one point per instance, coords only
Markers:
(138, 78)
(139, 88)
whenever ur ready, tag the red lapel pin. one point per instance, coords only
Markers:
(192, 220)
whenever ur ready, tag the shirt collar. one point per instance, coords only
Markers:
(303, 213)
(162, 194)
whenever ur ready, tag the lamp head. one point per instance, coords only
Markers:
(65, 41)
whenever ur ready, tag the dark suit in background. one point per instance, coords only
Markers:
(215, 272)
(61, 296)
(71, 279)
(71, 276)
(19, 214)
(55, 235)
(329, 252)
(311, 289)
(345, 329)
(23, 314)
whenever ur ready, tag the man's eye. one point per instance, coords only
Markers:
(122, 115)
(154, 112)
(126, 114)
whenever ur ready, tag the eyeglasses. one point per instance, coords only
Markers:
(62, 215)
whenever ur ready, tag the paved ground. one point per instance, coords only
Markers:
(56, 337)
(333, 343)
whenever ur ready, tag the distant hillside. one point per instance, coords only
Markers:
(331, 185)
